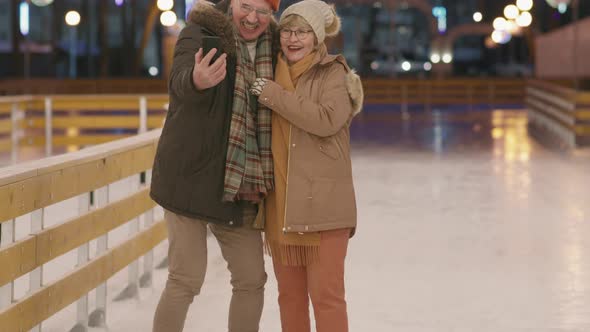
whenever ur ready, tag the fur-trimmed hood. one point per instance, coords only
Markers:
(216, 20)
(353, 80)
(355, 91)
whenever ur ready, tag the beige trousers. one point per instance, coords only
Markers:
(187, 255)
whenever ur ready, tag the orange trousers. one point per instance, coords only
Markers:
(323, 282)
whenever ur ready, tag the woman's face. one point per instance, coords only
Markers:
(297, 42)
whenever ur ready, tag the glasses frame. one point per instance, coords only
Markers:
(247, 9)
(297, 33)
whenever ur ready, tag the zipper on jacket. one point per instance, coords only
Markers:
(289, 159)
(287, 180)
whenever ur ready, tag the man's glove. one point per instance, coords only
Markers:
(258, 86)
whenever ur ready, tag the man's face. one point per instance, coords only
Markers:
(252, 17)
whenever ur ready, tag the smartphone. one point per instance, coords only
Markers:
(209, 43)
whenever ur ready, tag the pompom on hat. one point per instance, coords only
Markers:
(319, 15)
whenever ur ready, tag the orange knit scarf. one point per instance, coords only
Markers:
(293, 249)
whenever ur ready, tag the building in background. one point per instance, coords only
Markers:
(390, 38)
(110, 38)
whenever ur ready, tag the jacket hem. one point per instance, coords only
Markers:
(302, 228)
(192, 215)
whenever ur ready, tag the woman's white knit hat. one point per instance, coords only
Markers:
(319, 15)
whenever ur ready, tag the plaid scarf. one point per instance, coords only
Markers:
(248, 165)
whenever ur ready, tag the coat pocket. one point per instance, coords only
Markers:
(333, 199)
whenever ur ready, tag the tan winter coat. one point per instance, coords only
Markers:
(320, 191)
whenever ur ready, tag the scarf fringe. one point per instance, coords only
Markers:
(292, 255)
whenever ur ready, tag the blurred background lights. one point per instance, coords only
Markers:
(477, 17)
(165, 5)
(42, 3)
(153, 71)
(501, 37)
(524, 5)
(525, 19)
(24, 18)
(406, 66)
(440, 13)
(511, 12)
(72, 18)
(168, 18)
(556, 3)
(500, 23)
(512, 28)
(562, 8)
(435, 58)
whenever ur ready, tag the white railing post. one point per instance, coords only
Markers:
(405, 102)
(132, 289)
(470, 98)
(7, 238)
(98, 317)
(133, 230)
(148, 259)
(48, 126)
(36, 276)
(146, 278)
(14, 135)
(83, 258)
(404, 98)
(143, 115)
(492, 95)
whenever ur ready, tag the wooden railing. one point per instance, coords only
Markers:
(76, 120)
(82, 86)
(11, 123)
(379, 91)
(73, 121)
(428, 93)
(29, 188)
(561, 112)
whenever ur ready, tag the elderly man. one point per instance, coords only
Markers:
(213, 166)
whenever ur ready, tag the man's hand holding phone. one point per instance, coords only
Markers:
(207, 74)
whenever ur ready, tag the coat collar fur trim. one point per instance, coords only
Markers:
(215, 19)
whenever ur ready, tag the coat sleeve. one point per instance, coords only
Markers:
(181, 75)
(324, 118)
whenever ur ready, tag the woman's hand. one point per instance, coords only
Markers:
(258, 86)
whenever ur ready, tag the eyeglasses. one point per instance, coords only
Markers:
(246, 8)
(299, 34)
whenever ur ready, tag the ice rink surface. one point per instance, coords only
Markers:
(465, 224)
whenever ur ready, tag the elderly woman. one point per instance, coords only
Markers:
(311, 214)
